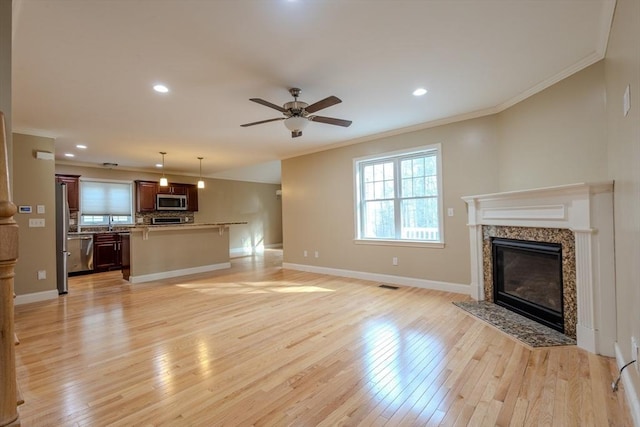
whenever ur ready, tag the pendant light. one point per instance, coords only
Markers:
(200, 181)
(163, 180)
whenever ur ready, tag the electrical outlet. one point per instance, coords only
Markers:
(450, 212)
(42, 274)
(304, 253)
(634, 352)
(394, 260)
(317, 254)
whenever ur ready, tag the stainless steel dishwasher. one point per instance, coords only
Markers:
(80, 249)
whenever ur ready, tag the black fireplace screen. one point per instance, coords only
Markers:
(528, 279)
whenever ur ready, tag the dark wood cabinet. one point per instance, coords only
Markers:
(192, 198)
(174, 188)
(107, 251)
(146, 192)
(125, 256)
(146, 196)
(73, 190)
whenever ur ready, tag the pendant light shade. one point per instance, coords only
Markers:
(163, 180)
(200, 181)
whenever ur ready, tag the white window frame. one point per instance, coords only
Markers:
(433, 149)
(108, 222)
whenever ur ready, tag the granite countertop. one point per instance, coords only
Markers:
(189, 225)
(90, 233)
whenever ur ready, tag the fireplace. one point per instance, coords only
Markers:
(579, 217)
(528, 279)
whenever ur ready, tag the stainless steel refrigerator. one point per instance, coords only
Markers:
(62, 230)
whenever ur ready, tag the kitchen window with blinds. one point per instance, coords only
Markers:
(106, 202)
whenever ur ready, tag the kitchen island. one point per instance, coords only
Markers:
(163, 251)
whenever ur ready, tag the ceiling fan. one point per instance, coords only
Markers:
(297, 114)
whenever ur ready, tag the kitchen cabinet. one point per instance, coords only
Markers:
(107, 251)
(73, 190)
(174, 188)
(146, 192)
(125, 255)
(146, 196)
(192, 198)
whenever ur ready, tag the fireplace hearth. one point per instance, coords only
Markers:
(528, 279)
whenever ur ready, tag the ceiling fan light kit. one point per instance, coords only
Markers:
(298, 114)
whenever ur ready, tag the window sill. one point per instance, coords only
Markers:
(410, 243)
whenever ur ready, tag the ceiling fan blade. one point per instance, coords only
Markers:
(330, 121)
(261, 121)
(327, 102)
(268, 104)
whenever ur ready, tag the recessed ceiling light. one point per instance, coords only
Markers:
(419, 92)
(160, 88)
(69, 155)
(81, 146)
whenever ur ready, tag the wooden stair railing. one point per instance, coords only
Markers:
(8, 258)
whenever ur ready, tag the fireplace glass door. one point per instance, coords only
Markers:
(528, 279)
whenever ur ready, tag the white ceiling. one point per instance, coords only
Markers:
(83, 71)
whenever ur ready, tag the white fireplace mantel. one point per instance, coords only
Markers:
(585, 209)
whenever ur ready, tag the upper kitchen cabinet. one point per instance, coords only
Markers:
(173, 188)
(146, 192)
(146, 196)
(73, 190)
(192, 198)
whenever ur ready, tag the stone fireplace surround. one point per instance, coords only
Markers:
(582, 212)
(550, 235)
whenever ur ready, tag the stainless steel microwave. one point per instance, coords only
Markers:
(171, 202)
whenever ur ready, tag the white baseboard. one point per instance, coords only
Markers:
(177, 273)
(236, 252)
(385, 278)
(630, 391)
(242, 251)
(35, 297)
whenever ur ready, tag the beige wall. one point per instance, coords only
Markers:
(220, 201)
(318, 204)
(5, 71)
(553, 138)
(34, 185)
(557, 136)
(622, 68)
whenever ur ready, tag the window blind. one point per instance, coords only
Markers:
(105, 198)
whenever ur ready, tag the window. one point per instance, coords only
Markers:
(398, 196)
(106, 202)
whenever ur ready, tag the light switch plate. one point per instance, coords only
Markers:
(40, 209)
(36, 222)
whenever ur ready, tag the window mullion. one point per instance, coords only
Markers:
(397, 212)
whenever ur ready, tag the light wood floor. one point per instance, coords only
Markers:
(258, 345)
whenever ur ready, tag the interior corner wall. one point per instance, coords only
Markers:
(33, 186)
(557, 136)
(241, 201)
(622, 70)
(318, 204)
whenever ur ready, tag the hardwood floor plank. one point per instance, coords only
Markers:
(260, 345)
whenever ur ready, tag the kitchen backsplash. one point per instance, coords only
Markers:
(140, 219)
